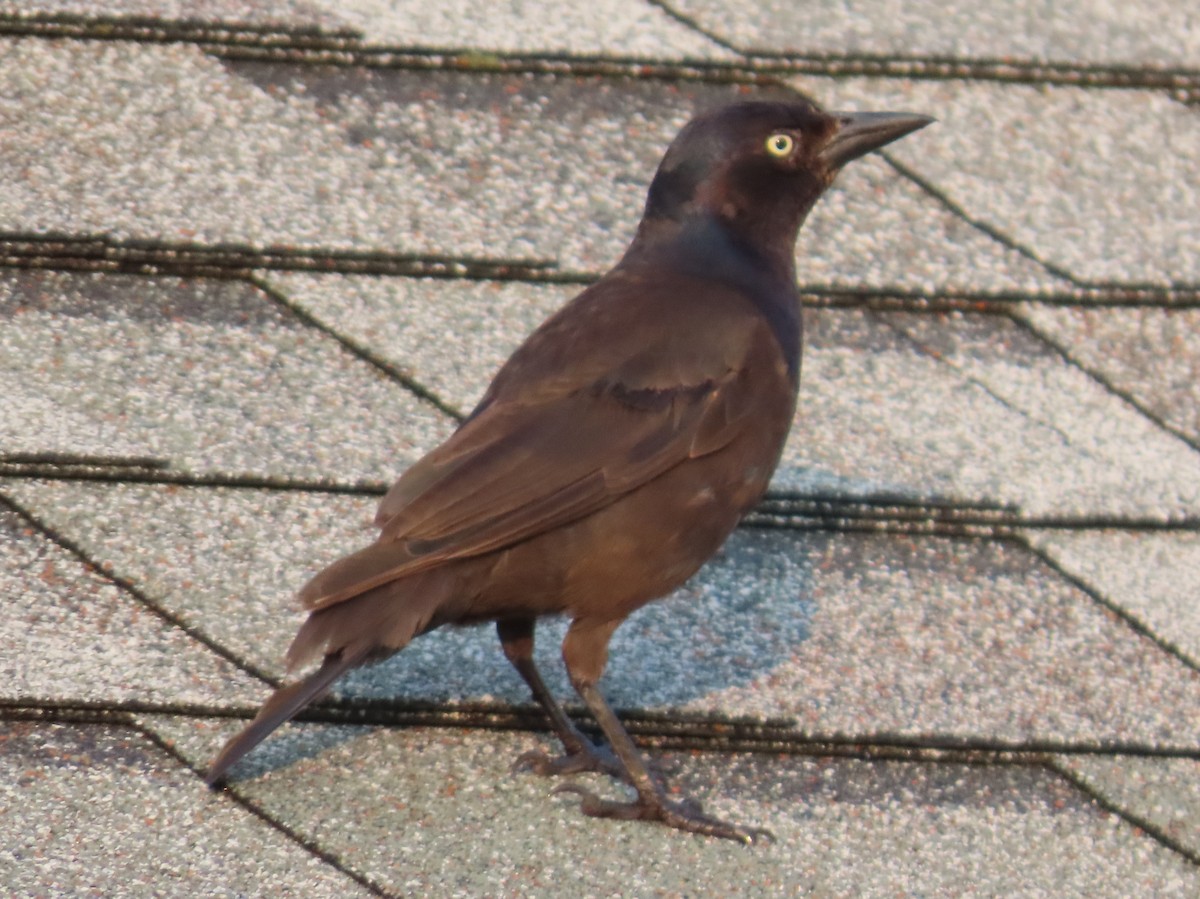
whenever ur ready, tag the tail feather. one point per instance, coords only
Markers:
(364, 629)
(373, 624)
(280, 707)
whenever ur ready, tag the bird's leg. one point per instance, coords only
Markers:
(585, 652)
(581, 754)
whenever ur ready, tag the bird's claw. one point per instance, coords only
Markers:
(686, 815)
(588, 759)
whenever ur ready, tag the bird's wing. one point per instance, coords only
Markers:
(547, 449)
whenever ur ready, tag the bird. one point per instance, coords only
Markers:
(613, 452)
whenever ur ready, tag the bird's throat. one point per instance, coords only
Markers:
(708, 249)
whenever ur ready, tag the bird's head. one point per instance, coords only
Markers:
(758, 168)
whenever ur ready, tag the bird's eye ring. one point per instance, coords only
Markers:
(780, 145)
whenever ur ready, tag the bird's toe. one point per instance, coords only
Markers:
(686, 815)
(588, 759)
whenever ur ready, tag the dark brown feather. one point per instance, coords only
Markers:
(619, 445)
(282, 705)
(522, 467)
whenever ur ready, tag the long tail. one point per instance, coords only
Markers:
(361, 629)
(281, 706)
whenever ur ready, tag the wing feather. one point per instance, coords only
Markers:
(533, 460)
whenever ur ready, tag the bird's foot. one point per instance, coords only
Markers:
(586, 758)
(685, 815)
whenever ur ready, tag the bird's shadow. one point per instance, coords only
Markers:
(743, 614)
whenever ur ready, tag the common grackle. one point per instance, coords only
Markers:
(614, 451)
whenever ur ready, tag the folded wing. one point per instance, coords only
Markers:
(535, 459)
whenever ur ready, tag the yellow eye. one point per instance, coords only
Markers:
(780, 145)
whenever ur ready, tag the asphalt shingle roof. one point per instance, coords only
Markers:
(256, 258)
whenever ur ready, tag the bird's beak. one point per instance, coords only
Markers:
(858, 133)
